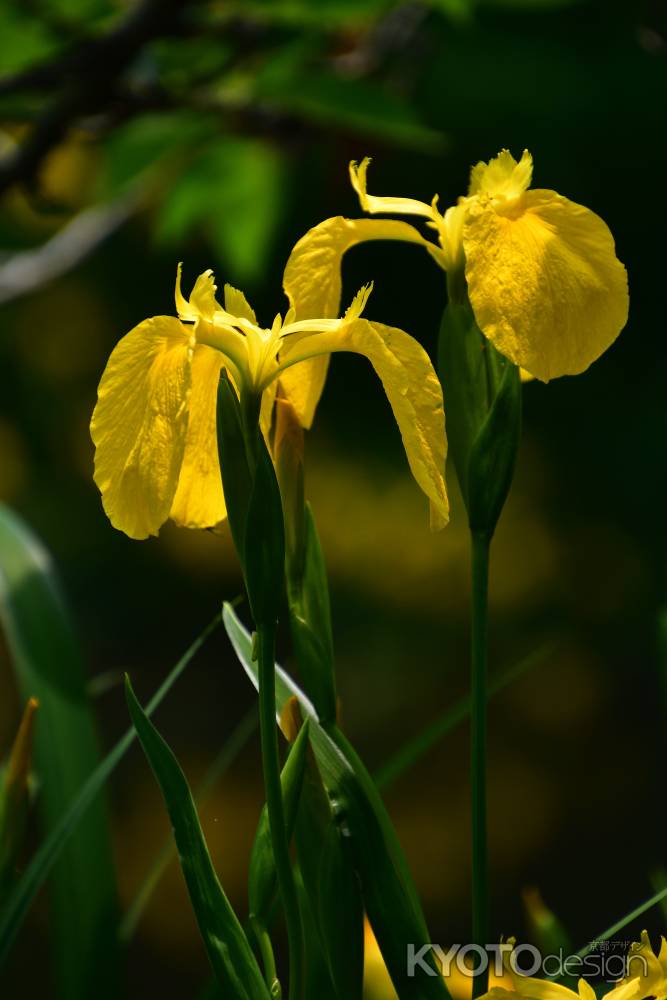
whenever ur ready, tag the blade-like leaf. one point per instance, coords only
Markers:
(341, 916)
(263, 880)
(227, 755)
(228, 950)
(47, 663)
(389, 894)
(17, 906)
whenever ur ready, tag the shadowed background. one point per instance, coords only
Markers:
(218, 140)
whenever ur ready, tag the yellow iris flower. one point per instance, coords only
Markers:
(647, 970)
(154, 425)
(542, 274)
(531, 988)
(544, 989)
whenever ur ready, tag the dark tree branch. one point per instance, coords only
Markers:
(87, 77)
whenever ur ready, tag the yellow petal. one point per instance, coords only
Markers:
(312, 283)
(413, 391)
(544, 282)
(139, 425)
(644, 969)
(199, 501)
(237, 304)
(541, 989)
(502, 177)
(391, 205)
(202, 297)
(202, 301)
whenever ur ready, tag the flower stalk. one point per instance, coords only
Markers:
(480, 544)
(255, 514)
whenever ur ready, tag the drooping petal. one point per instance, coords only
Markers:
(139, 425)
(544, 282)
(413, 391)
(199, 501)
(312, 283)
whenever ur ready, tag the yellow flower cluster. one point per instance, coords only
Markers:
(543, 281)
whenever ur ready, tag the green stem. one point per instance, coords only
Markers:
(266, 637)
(479, 656)
(268, 961)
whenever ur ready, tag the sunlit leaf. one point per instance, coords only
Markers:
(228, 950)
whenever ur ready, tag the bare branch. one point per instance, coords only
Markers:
(86, 77)
(26, 271)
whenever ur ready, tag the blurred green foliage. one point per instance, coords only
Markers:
(224, 137)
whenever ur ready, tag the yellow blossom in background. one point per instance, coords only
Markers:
(377, 981)
(531, 988)
(647, 970)
(541, 271)
(154, 425)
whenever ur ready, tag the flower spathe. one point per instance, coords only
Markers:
(154, 425)
(541, 271)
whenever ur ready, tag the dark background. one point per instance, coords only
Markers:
(231, 137)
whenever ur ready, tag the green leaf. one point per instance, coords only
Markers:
(359, 106)
(263, 882)
(389, 894)
(313, 821)
(233, 191)
(341, 916)
(226, 944)
(141, 144)
(310, 622)
(47, 663)
(416, 748)
(228, 753)
(26, 39)
(264, 543)
(236, 475)
(50, 850)
(390, 897)
(286, 688)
